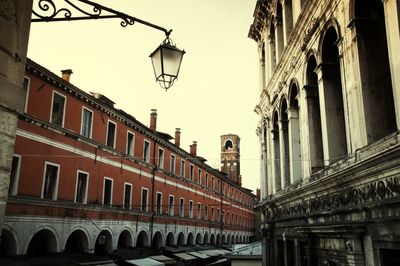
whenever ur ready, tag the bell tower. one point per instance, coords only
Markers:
(230, 157)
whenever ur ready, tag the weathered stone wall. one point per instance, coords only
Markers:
(14, 28)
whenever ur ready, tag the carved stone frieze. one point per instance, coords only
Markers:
(370, 193)
(313, 26)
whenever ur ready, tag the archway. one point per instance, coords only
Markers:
(124, 239)
(294, 135)
(190, 240)
(181, 239)
(157, 242)
(223, 241)
(284, 134)
(77, 242)
(198, 239)
(314, 116)
(335, 144)
(42, 243)
(104, 243)
(206, 240)
(142, 240)
(276, 163)
(218, 240)
(8, 244)
(228, 239)
(212, 240)
(376, 82)
(170, 239)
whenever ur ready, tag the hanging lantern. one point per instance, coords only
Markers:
(166, 60)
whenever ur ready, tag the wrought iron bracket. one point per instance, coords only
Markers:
(47, 11)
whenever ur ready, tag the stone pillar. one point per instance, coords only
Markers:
(276, 165)
(314, 153)
(271, 56)
(269, 158)
(14, 29)
(333, 139)
(287, 20)
(294, 145)
(263, 71)
(392, 20)
(284, 153)
(279, 38)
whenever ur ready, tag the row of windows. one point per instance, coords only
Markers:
(57, 117)
(50, 188)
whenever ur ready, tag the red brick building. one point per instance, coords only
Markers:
(88, 177)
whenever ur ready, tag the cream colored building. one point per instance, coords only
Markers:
(329, 131)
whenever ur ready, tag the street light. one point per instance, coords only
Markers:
(166, 59)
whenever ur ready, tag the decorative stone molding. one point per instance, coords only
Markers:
(374, 192)
(314, 24)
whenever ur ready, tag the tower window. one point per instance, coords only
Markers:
(228, 145)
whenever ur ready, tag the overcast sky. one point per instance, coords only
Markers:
(217, 88)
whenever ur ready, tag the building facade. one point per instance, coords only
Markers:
(329, 131)
(87, 177)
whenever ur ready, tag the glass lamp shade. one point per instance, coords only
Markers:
(166, 60)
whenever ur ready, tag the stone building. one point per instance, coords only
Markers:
(88, 177)
(329, 131)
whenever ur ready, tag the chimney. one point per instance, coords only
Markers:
(153, 119)
(177, 137)
(193, 149)
(66, 74)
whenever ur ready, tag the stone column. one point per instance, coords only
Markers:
(284, 153)
(279, 39)
(392, 20)
(272, 56)
(287, 20)
(269, 157)
(276, 165)
(314, 152)
(294, 145)
(333, 141)
(14, 29)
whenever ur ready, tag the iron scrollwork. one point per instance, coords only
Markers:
(47, 11)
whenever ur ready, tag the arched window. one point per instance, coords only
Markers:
(284, 141)
(332, 108)
(316, 158)
(276, 153)
(294, 135)
(374, 69)
(279, 31)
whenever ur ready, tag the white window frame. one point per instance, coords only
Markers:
(198, 211)
(161, 208)
(212, 214)
(147, 199)
(14, 189)
(191, 174)
(199, 173)
(191, 209)
(146, 157)
(115, 133)
(171, 207)
(44, 178)
(130, 197)
(172, 164)
(51, 107)
(91, 122)
(76, 186)
(183, 166)
(127, 143)
(160, 162)
(182, 207)
(112, 188)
